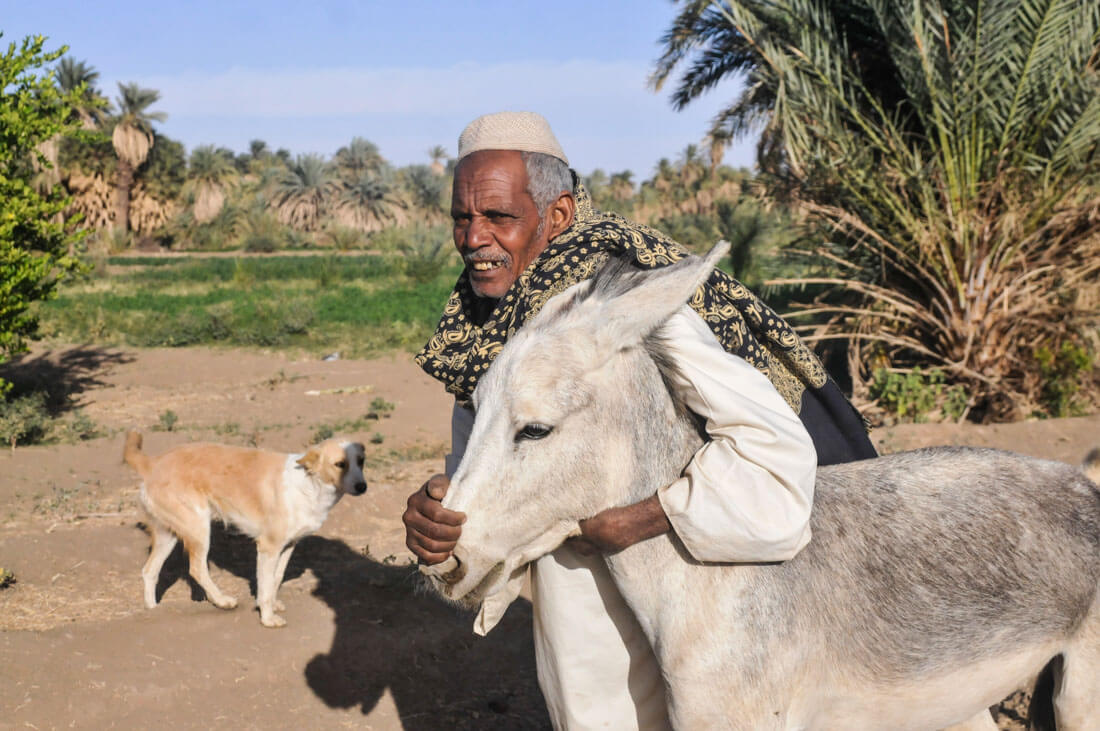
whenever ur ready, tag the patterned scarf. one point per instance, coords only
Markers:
(473, 330)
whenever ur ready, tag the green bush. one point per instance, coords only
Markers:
(1064, 372)
(914, 395)
(24, 419)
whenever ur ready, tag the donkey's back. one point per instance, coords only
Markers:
(933, 578)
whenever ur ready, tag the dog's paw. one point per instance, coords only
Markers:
(273, 621)
(226, 602)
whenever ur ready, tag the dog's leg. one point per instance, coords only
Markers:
(284, 559)
(164, 541)
(197, 544)
(267, 565)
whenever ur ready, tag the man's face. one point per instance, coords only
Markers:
(496, 223)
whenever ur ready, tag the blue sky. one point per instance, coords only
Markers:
(405, 75)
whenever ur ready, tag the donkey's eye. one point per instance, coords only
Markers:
(533, 431)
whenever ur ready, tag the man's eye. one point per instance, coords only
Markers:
(533, 431)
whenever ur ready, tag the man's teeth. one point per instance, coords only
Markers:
(484, 266)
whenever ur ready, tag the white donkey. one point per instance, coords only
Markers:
(936, 583)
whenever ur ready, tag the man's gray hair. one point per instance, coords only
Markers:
(547, 177)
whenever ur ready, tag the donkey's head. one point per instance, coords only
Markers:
(568, 419)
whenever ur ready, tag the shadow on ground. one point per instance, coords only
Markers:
(63, 375)
(392, 635)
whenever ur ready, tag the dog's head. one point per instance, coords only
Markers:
(338, 463)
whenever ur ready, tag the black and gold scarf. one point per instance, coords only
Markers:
(473, 330)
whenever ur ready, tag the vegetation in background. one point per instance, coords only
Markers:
(37, 249)
(360, 305)
(949, 152)
(916, 396)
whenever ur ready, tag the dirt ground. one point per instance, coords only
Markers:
(363, 647)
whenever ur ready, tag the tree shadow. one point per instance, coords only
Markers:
(391, 634)
(63, 375)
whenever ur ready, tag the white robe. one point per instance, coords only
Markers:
(744, 497)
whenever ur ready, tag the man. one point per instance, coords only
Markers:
(526, 231)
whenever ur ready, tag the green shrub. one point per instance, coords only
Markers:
(80, 428)
(912, 396)
(7, 578)
(1064, 372)
(24, 419)
(425, 252)
(167, 421)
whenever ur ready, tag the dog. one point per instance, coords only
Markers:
(275, 498)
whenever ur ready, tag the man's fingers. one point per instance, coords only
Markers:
(429, 545)
(433, 530)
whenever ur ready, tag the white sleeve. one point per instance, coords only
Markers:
(746, 495)
(462, 423)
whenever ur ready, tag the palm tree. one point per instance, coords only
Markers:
(211, 173)
(75, 76)
(359, 157)
(369, 203)
(952, 150)
(438, 155)
(426, 190)
(132, 139)
(301, 194)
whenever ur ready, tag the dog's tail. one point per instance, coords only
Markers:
(133, 455)
(1091, 466)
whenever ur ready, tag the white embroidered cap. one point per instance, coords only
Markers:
(523, 131)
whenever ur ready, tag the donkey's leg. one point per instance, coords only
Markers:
(1077, 687)
(197, 543)
(981, 722)
(163, 543)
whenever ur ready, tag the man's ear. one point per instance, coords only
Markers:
(311, 460)
(560, 214)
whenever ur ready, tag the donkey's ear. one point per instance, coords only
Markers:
(635, 303)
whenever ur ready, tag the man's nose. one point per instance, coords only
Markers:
(478, 234)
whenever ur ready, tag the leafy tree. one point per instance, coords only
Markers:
(37, 251)
(950, 147)
(132, 139)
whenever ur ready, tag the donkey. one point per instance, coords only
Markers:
(937, 581)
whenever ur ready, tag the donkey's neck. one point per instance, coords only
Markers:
(650, 576)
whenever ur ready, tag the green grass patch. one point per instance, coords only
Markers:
(358, 305)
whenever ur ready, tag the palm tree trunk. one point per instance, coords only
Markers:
(124, 180)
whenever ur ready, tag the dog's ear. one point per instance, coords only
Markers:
(311, 460)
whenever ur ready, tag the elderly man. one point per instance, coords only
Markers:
(526, 231)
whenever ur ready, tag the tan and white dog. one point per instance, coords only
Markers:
(275, 498)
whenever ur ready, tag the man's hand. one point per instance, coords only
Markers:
(616, 528)
(431, 531)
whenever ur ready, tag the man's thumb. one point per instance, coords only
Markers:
(436, 489)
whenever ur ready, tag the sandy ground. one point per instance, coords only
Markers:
(363, 647)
